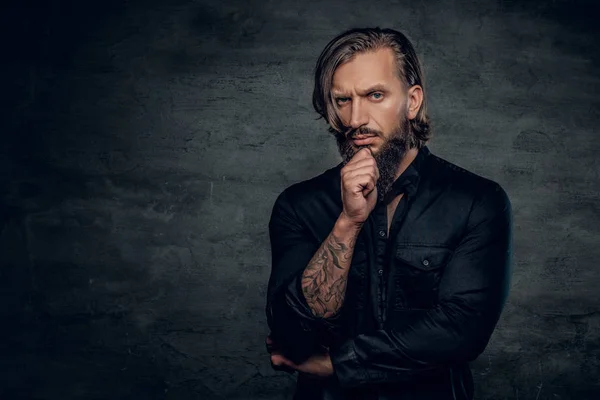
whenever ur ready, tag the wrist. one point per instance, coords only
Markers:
(345, 225)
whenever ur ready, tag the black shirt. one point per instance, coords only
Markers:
(419, 305)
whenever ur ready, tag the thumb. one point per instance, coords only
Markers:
(368, 188)
(372, 194)
(279, 360)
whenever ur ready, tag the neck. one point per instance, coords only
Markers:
(406, 160)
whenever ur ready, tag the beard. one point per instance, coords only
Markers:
(388, 158)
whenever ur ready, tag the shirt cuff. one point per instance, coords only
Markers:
(296, 300)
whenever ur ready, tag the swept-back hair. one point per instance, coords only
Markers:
(359, 40)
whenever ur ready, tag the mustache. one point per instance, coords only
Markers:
(351, 133)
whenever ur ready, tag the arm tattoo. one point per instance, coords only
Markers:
(324, 279)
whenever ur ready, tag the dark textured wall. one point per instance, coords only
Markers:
(143, 144)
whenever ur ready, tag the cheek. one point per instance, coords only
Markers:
(343, 115)
(387, 115)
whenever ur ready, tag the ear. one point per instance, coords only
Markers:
(415, 99)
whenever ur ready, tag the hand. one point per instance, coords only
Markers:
(317, 365)
(358, 185)
(272, 348)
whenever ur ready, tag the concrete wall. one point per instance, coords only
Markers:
(143, 144)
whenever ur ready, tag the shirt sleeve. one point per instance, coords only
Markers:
(293, 326)
(472, 293)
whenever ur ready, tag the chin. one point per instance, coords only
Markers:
(374, 149)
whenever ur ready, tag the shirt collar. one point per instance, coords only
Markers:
(408, 181)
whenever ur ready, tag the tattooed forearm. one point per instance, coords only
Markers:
(324, 279)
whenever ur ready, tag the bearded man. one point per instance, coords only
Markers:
(391, 269)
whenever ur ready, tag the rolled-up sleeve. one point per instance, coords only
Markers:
(293, 326)
(472, 293)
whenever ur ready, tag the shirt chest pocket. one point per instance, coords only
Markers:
(417, 274)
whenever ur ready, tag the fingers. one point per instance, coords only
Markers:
(367, 168)
(365, 152)
(362, 165)
(281, 363)
(278, 361)
(362, 154)
(270, 344)
(368, 187)
(364, 183)
(360, 177)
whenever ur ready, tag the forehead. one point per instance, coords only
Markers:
(366, 69)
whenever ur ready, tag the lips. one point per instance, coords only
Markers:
(363, 140)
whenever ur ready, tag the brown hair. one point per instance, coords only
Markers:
(344, 47)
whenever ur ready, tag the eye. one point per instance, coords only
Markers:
(341, 100)
(377, 95)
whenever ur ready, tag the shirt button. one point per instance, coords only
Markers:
(382, 233)
(425, 262)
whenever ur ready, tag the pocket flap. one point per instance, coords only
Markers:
(424, 257)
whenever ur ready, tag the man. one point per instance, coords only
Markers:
(390, 270)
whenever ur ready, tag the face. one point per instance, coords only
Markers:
(370, 98)
(373, 108)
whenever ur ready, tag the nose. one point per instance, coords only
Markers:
(359, 115)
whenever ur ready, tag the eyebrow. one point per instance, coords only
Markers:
(375, 88)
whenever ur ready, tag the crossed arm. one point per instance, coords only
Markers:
(313, 293)
(472, 293)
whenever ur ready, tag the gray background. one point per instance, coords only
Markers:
(143, 144)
